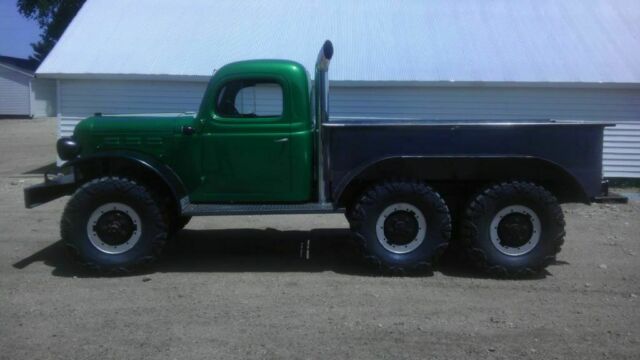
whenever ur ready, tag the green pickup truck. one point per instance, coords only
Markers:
(262, 142)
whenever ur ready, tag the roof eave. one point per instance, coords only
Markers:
(86, 76)
(356, 83)
(17, 69)
(469, 83)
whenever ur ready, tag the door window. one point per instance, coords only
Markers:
(250, 99)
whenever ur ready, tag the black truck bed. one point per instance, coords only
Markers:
(354, 144)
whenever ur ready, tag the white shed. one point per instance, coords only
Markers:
(21, 93)
(14, 89)
(464, 60)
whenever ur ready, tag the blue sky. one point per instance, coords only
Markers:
(16, 32)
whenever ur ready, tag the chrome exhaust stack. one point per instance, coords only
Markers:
(322, 109)
(322, 82)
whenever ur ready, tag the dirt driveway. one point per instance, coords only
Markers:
(236, 288)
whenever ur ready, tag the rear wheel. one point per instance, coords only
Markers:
(114, 224)
(402, 225)
(513, 229)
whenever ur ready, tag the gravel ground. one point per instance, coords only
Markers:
(236, 288)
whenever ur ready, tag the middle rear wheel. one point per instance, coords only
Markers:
(402, 225)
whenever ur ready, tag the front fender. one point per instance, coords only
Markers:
(163, 172)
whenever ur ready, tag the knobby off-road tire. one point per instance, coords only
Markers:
(513, 229)
(113, 224)
(403, 226)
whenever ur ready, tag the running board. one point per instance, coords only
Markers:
(258, 209)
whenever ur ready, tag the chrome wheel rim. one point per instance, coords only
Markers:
(114, 228)
(515, 230)
(401, 228)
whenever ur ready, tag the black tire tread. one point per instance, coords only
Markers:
(358, 213)
(476, 208)
(123, 185)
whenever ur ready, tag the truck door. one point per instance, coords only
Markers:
(246, 145)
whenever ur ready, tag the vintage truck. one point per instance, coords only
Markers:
(405, 185)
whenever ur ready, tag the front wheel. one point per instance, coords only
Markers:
(114, 224)
(513, 229)
(402, 225)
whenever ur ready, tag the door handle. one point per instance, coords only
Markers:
(282, 140)
(188, 130)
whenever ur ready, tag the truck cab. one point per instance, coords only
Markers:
(253, 135)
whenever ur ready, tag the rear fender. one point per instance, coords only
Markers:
(558, 180)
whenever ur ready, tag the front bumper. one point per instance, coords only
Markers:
(50, 189)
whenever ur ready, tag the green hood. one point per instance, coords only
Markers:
(149, 134)
(129, 124)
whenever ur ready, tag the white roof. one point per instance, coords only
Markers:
(539, 41)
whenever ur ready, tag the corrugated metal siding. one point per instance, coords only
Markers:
(14, 92)
(622, 151)
(473, 103)
(81, 98)
(43, 97)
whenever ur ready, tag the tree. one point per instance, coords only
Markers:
(53, 16)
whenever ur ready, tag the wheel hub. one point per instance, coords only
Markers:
(515, 230)
(114, 228)
(401, 228)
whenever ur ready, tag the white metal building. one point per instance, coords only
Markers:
(440, 59)
(43, 97)
(21, 94)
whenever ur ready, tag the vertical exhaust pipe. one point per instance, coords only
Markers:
(322, 81)
(322, 110)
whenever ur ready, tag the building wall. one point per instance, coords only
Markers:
(14, 92)
(43, 97)
(495, 103)
(622, 151)
(80, 98)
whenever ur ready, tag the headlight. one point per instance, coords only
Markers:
(67, 148)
